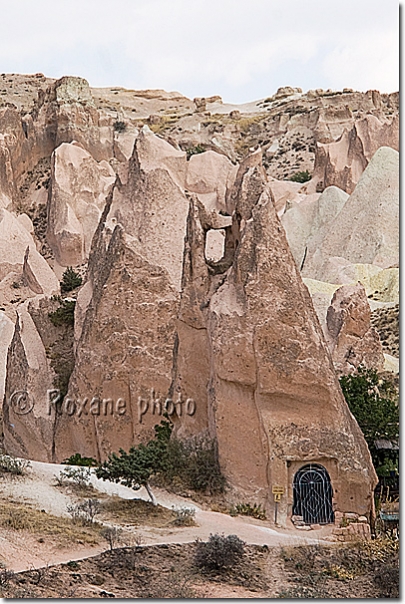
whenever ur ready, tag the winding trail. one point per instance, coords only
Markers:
(38, 488)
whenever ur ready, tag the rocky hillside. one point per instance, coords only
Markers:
(193, 224)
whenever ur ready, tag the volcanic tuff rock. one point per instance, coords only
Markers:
(307, 220)
(77, 197)
(342, 162)
(27, 434)
(6, 335)
(39, 364)
(237, 348)
(352, 340)
(18, 255)
(191, 292)
(366, 230)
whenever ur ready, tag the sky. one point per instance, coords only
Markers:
(243, 50)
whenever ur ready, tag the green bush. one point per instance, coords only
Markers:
(301, 176)
(195, 150)
(120, 126)
(219, 552)
(373, 400)
(70, 280)
(65, 314)
(78, 460)
(194, 463)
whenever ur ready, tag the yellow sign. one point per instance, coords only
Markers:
(278, 490)
(277, 496)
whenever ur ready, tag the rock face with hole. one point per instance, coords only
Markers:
(230, 348)
(79, 188)
(250, 346)
(352, 339)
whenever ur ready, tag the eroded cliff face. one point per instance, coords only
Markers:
(232, 349)
(193, 302)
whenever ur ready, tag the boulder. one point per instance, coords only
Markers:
(211, 175)
(66, 112)
(352, 340)
(38, 275)
(79, 188)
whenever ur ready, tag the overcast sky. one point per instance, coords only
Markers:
(241, 49)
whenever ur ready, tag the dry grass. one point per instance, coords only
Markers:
(136, 512)
(363, 569)
(23, 517)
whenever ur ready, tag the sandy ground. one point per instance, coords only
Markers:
(39, 489)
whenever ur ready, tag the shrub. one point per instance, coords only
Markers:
(195, 150)
(70, 280)
(194, 463)
(65, 314)
(219, 552)
(113, 536)
(78, 460)
(246, 509)
(79, 476)
(12, 465)
(120, 126)
(303, 176)
(85, 512)
(184, 516)
(201, 467)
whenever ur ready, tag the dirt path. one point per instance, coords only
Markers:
(39, 489)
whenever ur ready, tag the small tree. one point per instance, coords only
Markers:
(70, 280)
(373, 402)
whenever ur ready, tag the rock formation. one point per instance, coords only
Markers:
(308, 219)
(231, 349)
(366, 230)
(352, 340)
(193, 302)
(342, 162)
(79, 187)
(18, 253)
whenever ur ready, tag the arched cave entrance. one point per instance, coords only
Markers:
(313, 495)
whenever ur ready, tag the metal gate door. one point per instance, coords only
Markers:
(313, 495)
